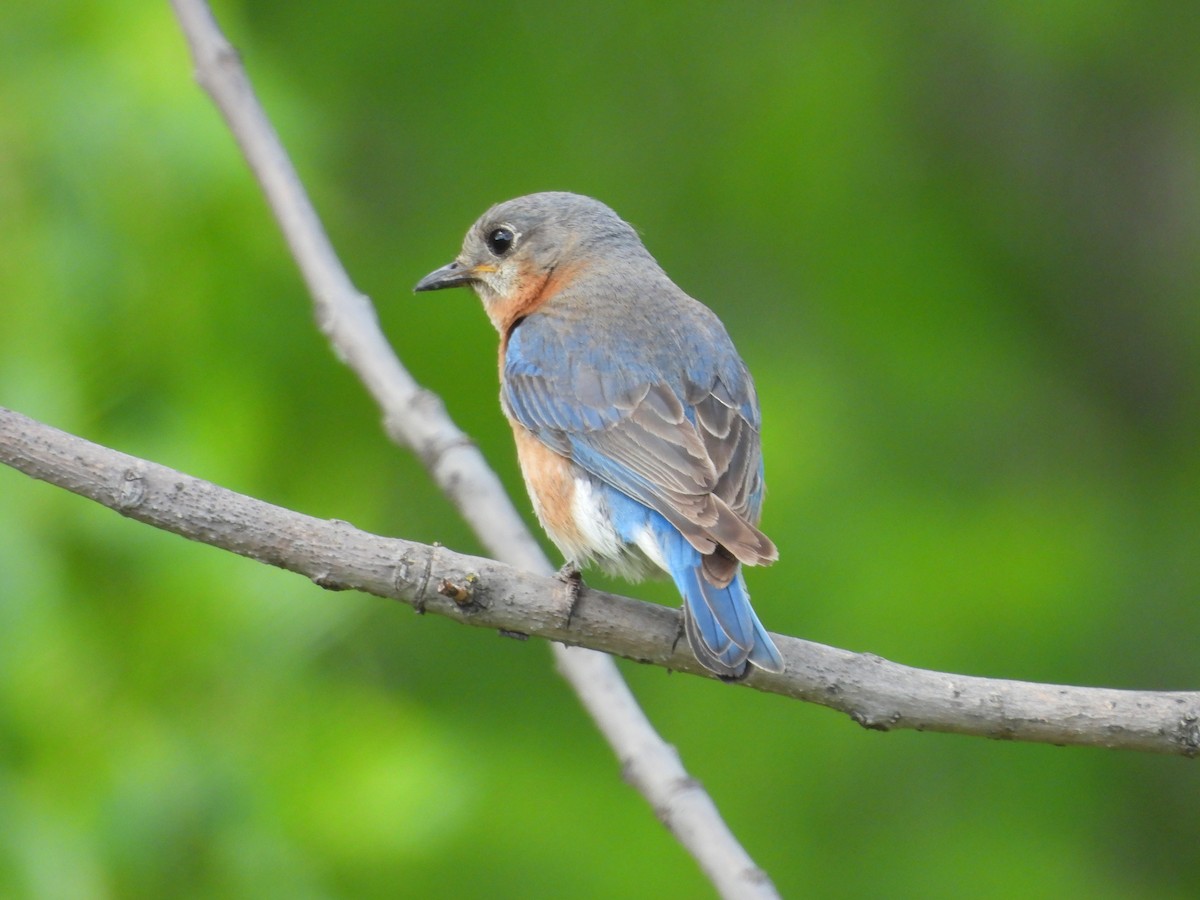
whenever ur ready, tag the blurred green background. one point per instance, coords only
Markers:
(956, 243)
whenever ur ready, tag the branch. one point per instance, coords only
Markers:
(417, 418)
(874, 692)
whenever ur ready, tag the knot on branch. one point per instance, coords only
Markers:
(131, 490)
(875, 721)
(461, 592)
(1189, 736)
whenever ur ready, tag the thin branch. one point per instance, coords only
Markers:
(417, 418)
(875, 693)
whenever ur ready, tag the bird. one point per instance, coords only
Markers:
(637, 425)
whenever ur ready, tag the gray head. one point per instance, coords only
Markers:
(510, 253)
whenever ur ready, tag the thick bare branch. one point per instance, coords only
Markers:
(417, 418)
(874, 692)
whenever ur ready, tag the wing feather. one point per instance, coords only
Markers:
(684, 442)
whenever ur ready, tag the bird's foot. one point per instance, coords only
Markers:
(572, 579)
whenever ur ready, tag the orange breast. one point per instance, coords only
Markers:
(551, 485)
(535, 289)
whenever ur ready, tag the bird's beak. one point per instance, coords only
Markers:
(451, 275)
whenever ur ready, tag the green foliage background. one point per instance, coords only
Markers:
(957, 244)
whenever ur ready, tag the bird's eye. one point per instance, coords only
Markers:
(501, 240)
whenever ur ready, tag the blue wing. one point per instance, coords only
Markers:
(680, 435)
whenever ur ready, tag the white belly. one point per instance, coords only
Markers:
(596, 540)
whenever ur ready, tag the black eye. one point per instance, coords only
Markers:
(500, 241)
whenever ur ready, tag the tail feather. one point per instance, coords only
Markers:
(720, 624)
(729, 617)
(764, 653)
(723, 631)
(728, 661)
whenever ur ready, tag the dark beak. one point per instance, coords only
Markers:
(454, 274)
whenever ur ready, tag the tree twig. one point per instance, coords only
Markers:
(417, 418)
(874, 692)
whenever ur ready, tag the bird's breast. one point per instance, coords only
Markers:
(576, 511)
(530, 290)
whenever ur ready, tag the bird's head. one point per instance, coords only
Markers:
(520, 249)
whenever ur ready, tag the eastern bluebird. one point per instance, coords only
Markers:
(636, 422)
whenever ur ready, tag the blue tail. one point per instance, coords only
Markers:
(721, 626)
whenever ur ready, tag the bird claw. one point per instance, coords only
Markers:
(572, 579)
